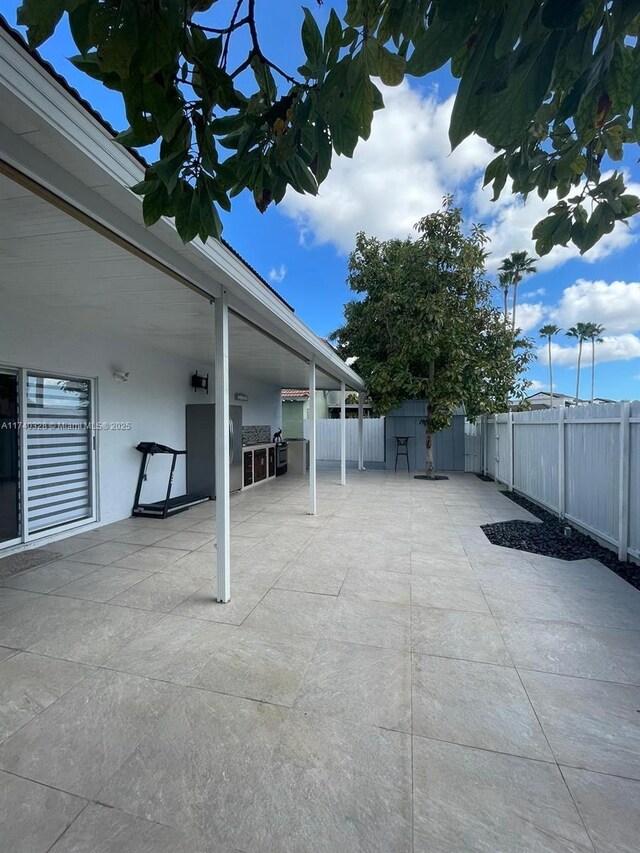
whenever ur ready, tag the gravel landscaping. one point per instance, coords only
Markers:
(547, 537)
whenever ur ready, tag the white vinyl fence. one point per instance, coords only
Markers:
(328, 439)
(582, 462)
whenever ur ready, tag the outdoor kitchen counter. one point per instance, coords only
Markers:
(258, 463)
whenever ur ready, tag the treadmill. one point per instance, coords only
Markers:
(168, 506)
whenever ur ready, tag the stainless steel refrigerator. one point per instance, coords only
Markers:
(201, 449)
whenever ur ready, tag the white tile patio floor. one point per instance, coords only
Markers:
(384, 679)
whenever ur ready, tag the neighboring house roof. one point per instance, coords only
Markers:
(545, 394)
(17, 36)
(294, 394)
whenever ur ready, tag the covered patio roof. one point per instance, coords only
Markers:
(72, 243)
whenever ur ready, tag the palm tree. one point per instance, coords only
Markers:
(517, 265)
(504, 283)
(594, 330)
(548, 332)
(580, 332)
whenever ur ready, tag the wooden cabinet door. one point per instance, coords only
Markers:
(272, 461)
(259, 465)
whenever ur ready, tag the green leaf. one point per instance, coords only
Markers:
(145, 133)
(312, 40)
(264, 78)
(360, 105)
(154, 204)
(504, 115)
(210, 224)
(40, 17)
(187, 212)
(301, 177)
(390, 66)
(168, 170)
(80, 26)
(438, 42)
(332, 33)
(466, 108)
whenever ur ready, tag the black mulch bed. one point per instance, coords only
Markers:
(548, 539)
(484, 478)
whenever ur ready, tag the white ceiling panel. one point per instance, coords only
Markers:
(74, 275)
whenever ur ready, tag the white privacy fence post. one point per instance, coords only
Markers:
(511, 450)
(561, 463)
(625, 482)
(343, 435)
(360, 431)
(313, 450)
(485, 444)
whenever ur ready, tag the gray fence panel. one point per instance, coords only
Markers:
(535, 465)
(593, 475)
(328, 439)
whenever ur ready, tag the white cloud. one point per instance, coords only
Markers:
(397, 176)
(530, 294)
(614, 348)
(536, 385)
(616, 305)
(529, 315)
(277, 274)
(401, 174)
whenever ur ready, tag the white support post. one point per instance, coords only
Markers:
(343, 435)
(313, 503)
(485, 445)
(562, 468)
(222, 448)
(511, 449)
(625, 482)
(361, 431)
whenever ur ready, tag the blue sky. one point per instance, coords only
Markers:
(397, 176)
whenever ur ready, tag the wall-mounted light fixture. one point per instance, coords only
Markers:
(241, 398)
(121, 375)
(200, 383)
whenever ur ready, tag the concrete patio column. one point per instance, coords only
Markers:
(312, 438)
(360, 431)
(222, 445)
(343, 435)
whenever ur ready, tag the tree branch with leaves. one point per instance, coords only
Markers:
(550, 84)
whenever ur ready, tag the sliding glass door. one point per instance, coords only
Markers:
(9, 459)
(59, 452)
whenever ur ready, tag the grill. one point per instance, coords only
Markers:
(281, 458)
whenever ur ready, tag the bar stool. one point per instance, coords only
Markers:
(402, 449)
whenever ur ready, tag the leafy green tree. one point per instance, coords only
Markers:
(580, 333)
(514, 268)
(422, 324)
(594, 330)
(552, 85)
(548, 332)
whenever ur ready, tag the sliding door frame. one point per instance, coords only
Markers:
(10, 543)
(26, 537)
